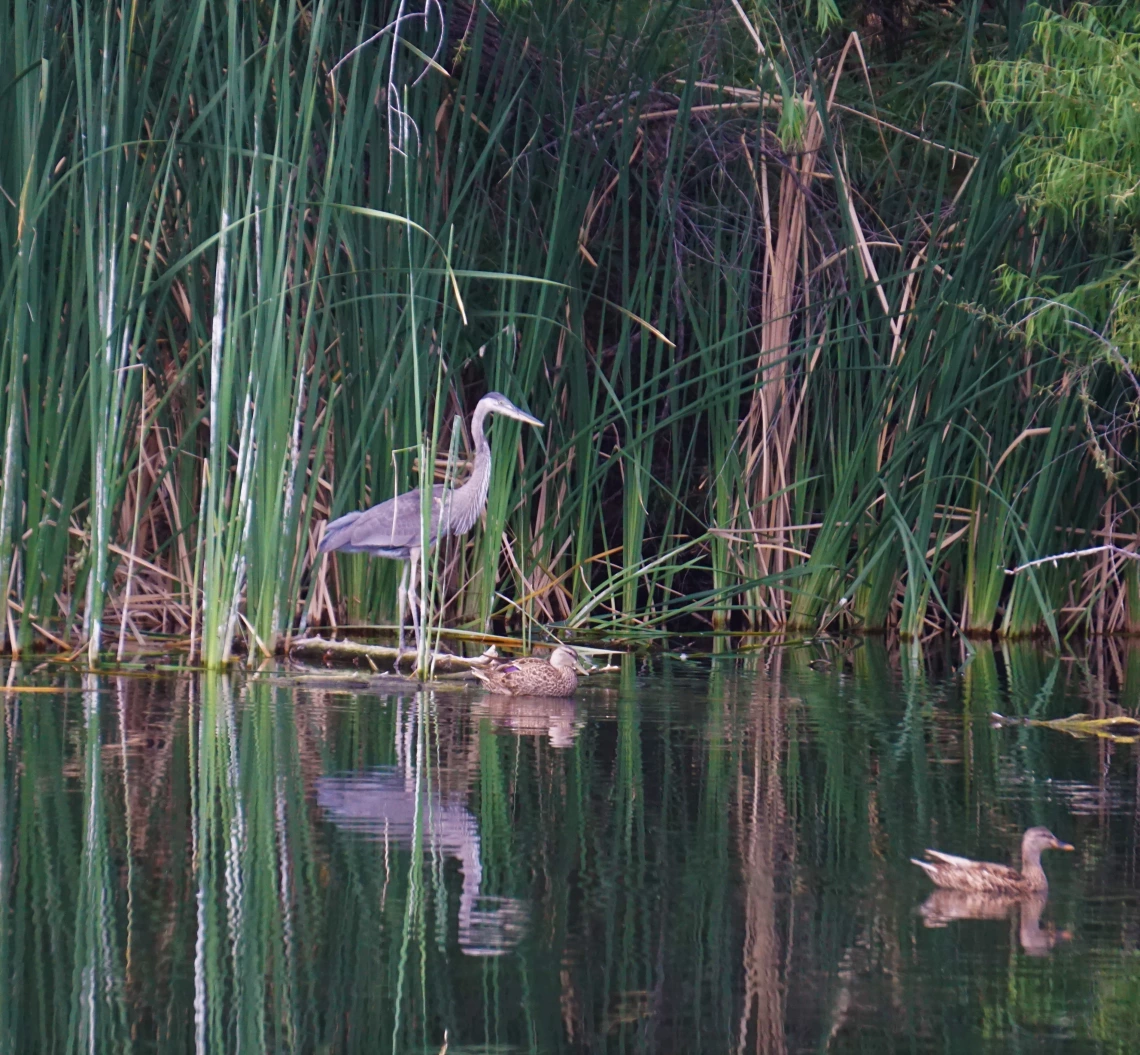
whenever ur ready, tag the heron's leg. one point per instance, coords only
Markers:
(401, 605)
(414, 598)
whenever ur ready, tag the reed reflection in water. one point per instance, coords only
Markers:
(704, 856)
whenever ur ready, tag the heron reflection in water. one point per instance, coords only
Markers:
(393, 529)
(383, 804)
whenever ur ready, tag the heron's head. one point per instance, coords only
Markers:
(497, 403)
(565, 658)
(1037, 839)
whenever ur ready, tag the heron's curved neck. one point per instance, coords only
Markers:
(477, 437)
(481, 470)
(469, 498)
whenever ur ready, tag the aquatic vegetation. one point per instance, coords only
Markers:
(258, 263)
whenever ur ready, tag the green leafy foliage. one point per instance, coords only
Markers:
(1074, 97)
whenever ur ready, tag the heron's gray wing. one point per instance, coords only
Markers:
(390, 529)
(338, 532)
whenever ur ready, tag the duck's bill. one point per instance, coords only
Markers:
(1058, 845)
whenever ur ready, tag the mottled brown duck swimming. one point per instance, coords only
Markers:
(982, 877)
(533, 676)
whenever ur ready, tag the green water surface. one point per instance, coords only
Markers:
(707, 855)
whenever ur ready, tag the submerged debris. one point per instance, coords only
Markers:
(1121, 728)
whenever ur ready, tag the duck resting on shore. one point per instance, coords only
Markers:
(960, 873)
(533, 676)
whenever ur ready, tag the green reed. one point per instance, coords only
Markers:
(770, 401)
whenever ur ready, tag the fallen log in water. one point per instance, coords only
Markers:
(444, 661)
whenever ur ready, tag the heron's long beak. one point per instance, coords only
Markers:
(530, 419)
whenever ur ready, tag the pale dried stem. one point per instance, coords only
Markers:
(143, 408)
(1092, 550)
(769, 431)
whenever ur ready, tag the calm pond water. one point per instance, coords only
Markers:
(701, 856)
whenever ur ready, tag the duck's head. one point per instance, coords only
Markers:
(565, 658)
(1037, 839)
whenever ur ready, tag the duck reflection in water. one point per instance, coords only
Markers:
(946, 906)
(381, 804)
(552, 716)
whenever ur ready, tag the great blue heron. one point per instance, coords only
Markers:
(392, 529)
